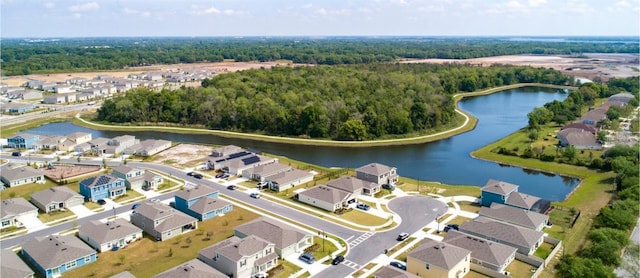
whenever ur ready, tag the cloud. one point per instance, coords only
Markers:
(216, 11)
(134, 11)
(535, 3)
(49, 5)
(84, 7)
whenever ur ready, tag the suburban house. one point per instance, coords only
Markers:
(219, 155)
(23, 141)
(355, 186)
(260, 172)
(192, 269)
(393, 272)
(138, 178)
(13, 210)
(161, 221)
(581, 126)
(592, 117)
(17, 108)
(54, 143)
(516, 216)
(378, 173)
(102, 187)
(287, 239)
(118, 144)
(149, 147)
(201, 202)
(54, 255)
(524, 239)
(484, 253)
(439, 260)
(99, 145)
(80, 137)
(235, 166)
(240, 257)
(581, 139)
(285, 180)
(13, 177)
(326, 198)
(506, 193)
(56, 198)
(12, 266)
(110, 235)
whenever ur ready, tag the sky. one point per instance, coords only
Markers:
(187, 18)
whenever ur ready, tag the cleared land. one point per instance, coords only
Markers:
(183, 155)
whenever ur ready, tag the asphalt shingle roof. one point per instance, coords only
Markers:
(375, 169)
(53, 251)
(15, 206)
(105, 232)
(195, 192)
(19, 173)
(350, 184)
(235, 248)
(499, 187)
(488, 228)
(12, 266)
(513, 215)
(192, 269)
(481, 249)
(440, 254)
(271, 230)
(326, 194)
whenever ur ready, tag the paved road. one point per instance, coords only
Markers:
(36, 115)
(415, 212)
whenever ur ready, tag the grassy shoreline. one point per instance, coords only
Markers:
(468, 124)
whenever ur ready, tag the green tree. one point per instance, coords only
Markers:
(353, 130)
(569, 152)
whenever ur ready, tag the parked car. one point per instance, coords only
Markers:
(363, 206)
(262, 185)
(451, 226)
(135, 206)
(307, 258)
(219, 175)
(225, 176)
(255, 195)
(198, 176)
(337, 260)
(399, 265)
(402, 236)
(231, 187)
(190, 174)
(102, 202)
(388, 187)
(260, 275)
(16, 154)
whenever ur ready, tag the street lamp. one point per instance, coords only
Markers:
(322, 234)
(438, 223)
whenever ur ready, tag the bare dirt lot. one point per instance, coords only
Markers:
(590, 65)
(184, 155)
(61, 171)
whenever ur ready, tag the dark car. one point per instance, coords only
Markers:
(135, 206)
(337, 260)
(307, 258)
(102, 202)
(388, 187)
(402, 236)
(451, 227)
(16, 154)
(363, 206)
(219, 175)
(190, 174)
(231, 187)
(198, 176)
(399, 265)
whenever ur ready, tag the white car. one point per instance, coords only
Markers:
(255, 195)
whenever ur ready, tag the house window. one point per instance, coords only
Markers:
(426, 266)
(6, 223)
(243, 263)
(71, 265)
(268, 251)
(502, 197)
(87, 259)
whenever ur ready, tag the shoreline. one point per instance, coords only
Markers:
(468, 125)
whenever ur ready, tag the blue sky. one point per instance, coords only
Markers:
(97, 18)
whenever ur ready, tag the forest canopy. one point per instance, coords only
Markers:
(357, 102)
(25, 56)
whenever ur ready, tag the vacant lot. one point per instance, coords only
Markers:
(184, 155)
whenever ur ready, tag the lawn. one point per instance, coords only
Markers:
(543, 251)
(55, 215)
(362, 218)
(424, 188)
(26, 190)
(128, 197)
(146, 257)
(94, 206)
(284, 270)
(469, 206)
(519, 269)
(321, 248)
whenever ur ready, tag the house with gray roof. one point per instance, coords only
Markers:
(355, 186)
(138, 178)
(438, 259)
(235, 166)
(161, 221)
(221, 154)
(54, 255)
(326, 198)
(582, 126)
(106, 236)
(285, 180)
(240, 257)
(22, 175)
(485, 253)
(496, 191)
(192, 269)
(580, 139)
(592, 117)
(149, 147)
(260, 172)
(119, 144)
(56, 198)
(12, 266)
(393, 272)
(201, 202)
(124, 274)
(17, 108)
(287, 239)
(516, 216)
(79, 137)
(99, 145)
(524, 239)
(378, 173)
(12, 211)
(528, 202)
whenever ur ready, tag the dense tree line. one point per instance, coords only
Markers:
(358, 102)
(21, 57)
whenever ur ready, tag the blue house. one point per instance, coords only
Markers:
(201, 202)
(23, 141)
(496, 192)
(53, 255)
(102, 187)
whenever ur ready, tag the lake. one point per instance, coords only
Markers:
(447, 161)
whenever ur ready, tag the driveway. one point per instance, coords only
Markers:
(32, 223)
(313, 268)
(81, 211)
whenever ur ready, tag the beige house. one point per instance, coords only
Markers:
(192, 269)
(287, 239)
(105, 236)
(439, 260)
(161, 221)
(355, 186)
(238, 257)
(484, 253)
(326, 198)
(12, 211)
(285, 180)
(13, 177)
(56, 198)
(138, 178)
(378, 173)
